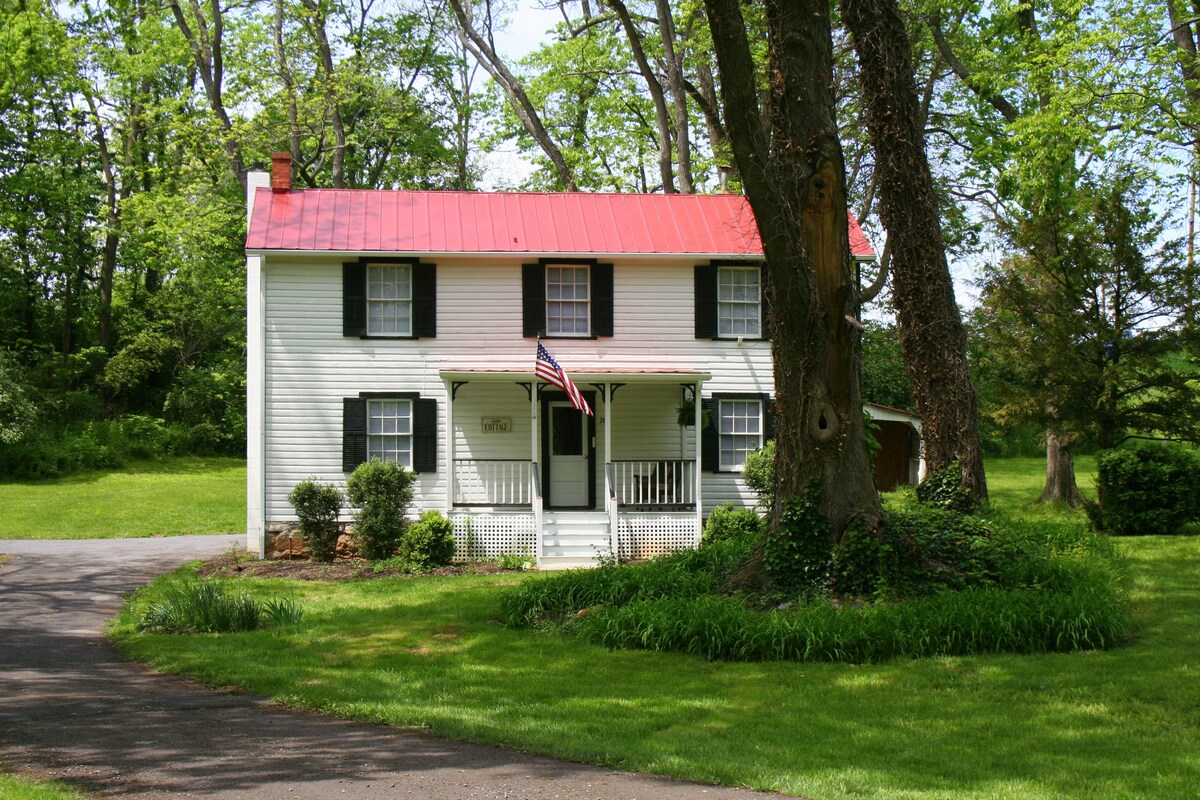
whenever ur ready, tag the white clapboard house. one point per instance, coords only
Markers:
(404, 325)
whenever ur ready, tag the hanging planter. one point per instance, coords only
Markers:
(687, 416)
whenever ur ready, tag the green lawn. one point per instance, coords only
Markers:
(14, 788)
(151, 498)
(1015, 483)
(428, 654)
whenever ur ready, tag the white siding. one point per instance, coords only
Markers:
(310, 367)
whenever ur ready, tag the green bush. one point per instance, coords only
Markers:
(1148, 490)
(382, 492)
(195, 606)
(726, 522)
(318, 506)
(759, 473)
(429, 542)
(944, 488)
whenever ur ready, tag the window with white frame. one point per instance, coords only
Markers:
(740, 428)
(389, 299)
(739, 302)
(568, 301)
(389, 431)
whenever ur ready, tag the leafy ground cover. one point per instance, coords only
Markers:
(170, 496)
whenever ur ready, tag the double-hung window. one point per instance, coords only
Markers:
(390, 431)
(740, 428)
(567, 298)
(739, 302)
(732, 301)
(389, 299)
(568, 301)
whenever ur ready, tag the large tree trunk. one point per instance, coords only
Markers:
(931, 328)
(795, 183)
(1060, 471)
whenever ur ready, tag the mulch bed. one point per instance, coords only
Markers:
(237, 564)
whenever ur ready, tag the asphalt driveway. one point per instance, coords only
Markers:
(72, 708)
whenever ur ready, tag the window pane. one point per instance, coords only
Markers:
(740, 429)
(568, 309)
(389, 431)
(389, 299)
(739, 297)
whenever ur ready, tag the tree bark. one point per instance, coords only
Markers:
(931, 328)
(1060, 471)
(332, 102)
(674, 63)
(795, 182)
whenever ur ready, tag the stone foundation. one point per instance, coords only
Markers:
(285, 541)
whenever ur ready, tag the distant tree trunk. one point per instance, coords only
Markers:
(657, 96)
(1060, 471)
(795, 182)
(484, 53)
(332, 101)
(674, 64)
(931, 328)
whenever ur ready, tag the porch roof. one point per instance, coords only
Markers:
(622, 374)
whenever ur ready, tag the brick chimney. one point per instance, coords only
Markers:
(281, 172)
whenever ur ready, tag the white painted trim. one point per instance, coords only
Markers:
(256, 534)
(450, 439)
(698, 420)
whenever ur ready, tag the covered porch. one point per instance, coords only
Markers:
(529, 474)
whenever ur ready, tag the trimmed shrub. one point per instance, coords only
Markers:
(943, 488)
(318, 506)
(726, 522)
(429, 542)
(382, 492)
(1147, 490)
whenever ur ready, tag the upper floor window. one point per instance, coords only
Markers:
(567, 297)
(568, 301)
(740, 428)
(731, 301)
(389, 299)
(739, 302)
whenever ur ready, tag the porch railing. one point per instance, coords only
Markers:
(492, 482)
(655, 483)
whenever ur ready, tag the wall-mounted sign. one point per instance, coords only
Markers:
(497, 424)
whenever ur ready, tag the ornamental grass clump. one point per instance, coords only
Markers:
(937, 583)
(196, 606)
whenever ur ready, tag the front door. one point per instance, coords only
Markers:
(568, 455)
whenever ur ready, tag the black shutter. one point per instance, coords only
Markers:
(424, 320)
(765, 281)
(706, 301)
(533, 299)
(710, 440)
(602, 299)
(354, 299)
(425, 435)
(768, 405)
(354, 432)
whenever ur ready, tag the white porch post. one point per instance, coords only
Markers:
(450, 440)
(609, 494)
(535, 496)
(256, 385)
(698, 418)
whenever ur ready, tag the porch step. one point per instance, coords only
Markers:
(574, 539)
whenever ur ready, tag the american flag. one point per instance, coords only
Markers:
(549, 371)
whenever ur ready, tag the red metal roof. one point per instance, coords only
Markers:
(385, 221)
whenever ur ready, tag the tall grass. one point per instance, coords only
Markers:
(204, 606)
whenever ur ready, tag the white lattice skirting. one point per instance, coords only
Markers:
(487, 535)
(643, 535)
